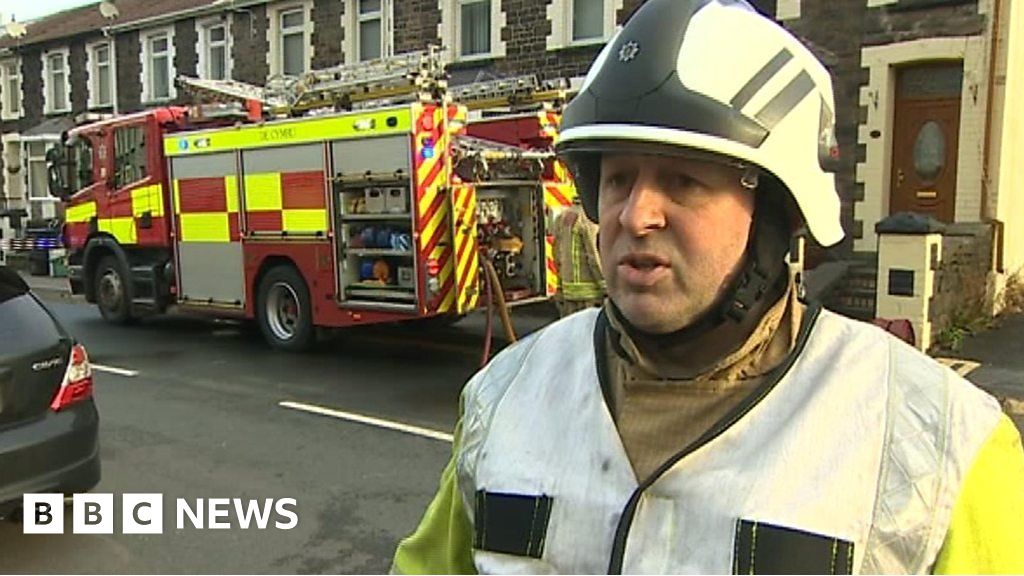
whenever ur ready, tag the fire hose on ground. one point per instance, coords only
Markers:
(494, 293)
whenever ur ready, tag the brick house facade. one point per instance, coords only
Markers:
(526, 36)
(862, 42)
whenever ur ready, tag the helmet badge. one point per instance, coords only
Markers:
(629, 51)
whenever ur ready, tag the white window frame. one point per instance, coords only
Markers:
(93, 77)
(204, 45)
(145, 70)
(28, 159)
(14, 182)
(5, 84)
(48, 103)
(450, 31)
(560, 15)
(275, 35)
(352, 21)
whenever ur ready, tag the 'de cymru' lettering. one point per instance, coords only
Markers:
(272, 134)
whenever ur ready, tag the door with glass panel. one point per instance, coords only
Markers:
(925, 140)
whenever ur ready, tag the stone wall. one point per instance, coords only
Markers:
(249, 49)
(963, 283)
(129, 72)
(328, 33)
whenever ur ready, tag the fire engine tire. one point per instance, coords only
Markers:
(284, 310)
(113, 291)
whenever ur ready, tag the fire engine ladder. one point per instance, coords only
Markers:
(230, 92)
(516, 93)
(415, 75)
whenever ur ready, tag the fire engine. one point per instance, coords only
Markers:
(358, 194)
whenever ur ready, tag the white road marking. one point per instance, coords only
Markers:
(118, 371)
(959, 365)
(369, 420)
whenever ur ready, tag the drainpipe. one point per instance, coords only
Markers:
(986, 213)
(989, 113)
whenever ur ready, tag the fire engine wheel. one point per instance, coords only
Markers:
(112, 291)
(284, 310)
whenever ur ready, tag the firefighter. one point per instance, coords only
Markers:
(705, 419)
(580, 283)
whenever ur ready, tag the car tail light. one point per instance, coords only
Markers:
(77, 384)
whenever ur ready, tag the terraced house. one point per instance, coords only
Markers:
(85, 62)
(923, 89)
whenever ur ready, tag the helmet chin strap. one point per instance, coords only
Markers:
(760, 283)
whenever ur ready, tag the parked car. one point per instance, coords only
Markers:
(48, 420)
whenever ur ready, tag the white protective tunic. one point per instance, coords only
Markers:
(861, 440)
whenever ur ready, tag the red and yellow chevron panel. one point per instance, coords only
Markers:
(433, 210)
(552, 269)
(559, 192)
(549, 123)
(458, 119)
(466, 260)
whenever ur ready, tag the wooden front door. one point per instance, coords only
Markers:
(925, 141)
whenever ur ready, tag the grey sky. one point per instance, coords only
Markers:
(25, 10)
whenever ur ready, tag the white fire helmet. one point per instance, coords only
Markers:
(710, 77)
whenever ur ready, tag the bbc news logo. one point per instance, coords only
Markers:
(144, 514)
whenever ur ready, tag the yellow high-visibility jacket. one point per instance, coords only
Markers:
(579, 268)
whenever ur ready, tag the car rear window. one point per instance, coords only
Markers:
(25, 326)
(11, 284)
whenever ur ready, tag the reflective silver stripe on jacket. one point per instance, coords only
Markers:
(864, 439)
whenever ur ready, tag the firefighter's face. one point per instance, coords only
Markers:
(672, 235)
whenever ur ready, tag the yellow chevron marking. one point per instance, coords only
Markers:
(434, 226)
(80, 213)
(552, 278)
(122, 229)
(147, 199)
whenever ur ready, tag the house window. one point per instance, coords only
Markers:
(292, 31)
(129, 155)
(581, 22)
(14, 182)
(101, 91)
(56, 81)
(159, 67)
(587, 20)
(11, 87)
(215, 38)
(474, 27)
(37, 181)
(370, 29)
(156, 72)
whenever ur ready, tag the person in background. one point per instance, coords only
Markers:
(580, 282)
